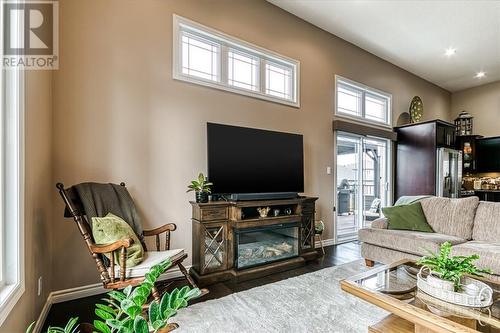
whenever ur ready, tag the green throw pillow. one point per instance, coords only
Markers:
(112, 228)
(407, 217)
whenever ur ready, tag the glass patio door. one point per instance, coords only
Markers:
(361, 182)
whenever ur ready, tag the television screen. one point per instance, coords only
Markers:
(488, 155)
(247, 160)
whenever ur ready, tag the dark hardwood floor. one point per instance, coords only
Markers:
(84, 307)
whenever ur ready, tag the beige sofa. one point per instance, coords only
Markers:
(471, 226)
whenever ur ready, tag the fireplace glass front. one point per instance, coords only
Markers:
(262, 245)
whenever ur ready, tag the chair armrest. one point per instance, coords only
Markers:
(159, 230)
(127, 242)
(380, 223)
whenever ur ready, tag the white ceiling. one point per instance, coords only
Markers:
(415, 34)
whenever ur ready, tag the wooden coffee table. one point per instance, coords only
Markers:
(393, 288)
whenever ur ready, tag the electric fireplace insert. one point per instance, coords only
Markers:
(266, 244)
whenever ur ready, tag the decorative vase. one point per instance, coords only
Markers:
(201, 197)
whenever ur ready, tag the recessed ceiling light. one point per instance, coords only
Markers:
(480, 75)
(450, 51)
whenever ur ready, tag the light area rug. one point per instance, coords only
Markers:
(311, 302)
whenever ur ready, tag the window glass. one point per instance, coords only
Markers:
(278, 81)
(243, 70)
(200, 58)
(376, 108)
(349, 100)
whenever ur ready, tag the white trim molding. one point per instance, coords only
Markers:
(326, 242)
(12, 234)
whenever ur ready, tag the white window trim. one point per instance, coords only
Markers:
(365, 89)
(237, 44)
(12, 221)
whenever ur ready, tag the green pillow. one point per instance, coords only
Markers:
(112, 228)
(407, 217)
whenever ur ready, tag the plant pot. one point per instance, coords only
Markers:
(86, 328)
(435, 281)
(201, 197)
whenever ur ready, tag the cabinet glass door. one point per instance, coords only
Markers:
(215, 252)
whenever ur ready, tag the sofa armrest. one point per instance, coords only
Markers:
(380, 223)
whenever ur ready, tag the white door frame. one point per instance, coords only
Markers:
(359, 194)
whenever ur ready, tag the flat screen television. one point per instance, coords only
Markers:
(488, 155)
(255, 162)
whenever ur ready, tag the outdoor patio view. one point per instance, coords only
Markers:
(362, 183)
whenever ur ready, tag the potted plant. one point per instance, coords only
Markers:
(123, 311)
(446, 271)
(202, 188)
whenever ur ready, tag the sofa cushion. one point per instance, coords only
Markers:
(487, 222)
(489, 253)
(407, 217)
(453, 217)
(414, 242)
(151, 258)
(112, 228)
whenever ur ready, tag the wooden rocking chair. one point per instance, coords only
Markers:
(119, 276)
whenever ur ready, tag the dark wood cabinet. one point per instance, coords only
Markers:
(445, 134)
(485, 195)
(223, 233)
(416, 156)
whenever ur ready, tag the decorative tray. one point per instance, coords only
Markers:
(481, 300)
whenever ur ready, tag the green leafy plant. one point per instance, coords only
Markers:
(71, 327)
(200, 185)
(451, 268)
(123, 311)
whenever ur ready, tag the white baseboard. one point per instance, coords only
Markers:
(326, 242)
(65, 295)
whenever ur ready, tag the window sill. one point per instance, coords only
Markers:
(235, 90)
(9, 296)
(371, 123)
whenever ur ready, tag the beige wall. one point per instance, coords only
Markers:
(38, 206)
(483, 103)
(119, 115)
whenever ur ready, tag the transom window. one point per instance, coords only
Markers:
(208, 57)
(356, 100)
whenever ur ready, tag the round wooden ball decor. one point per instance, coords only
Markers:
(416, 109)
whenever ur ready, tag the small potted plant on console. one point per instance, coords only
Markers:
(201, 186)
